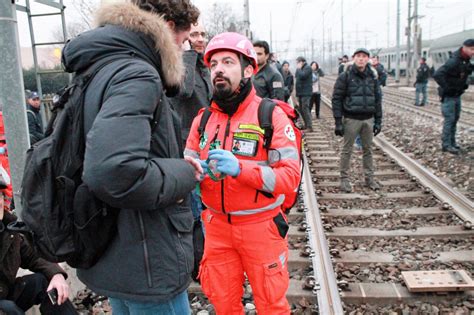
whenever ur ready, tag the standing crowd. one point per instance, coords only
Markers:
(200, 188)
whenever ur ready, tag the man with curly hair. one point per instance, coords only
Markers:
(134, 155)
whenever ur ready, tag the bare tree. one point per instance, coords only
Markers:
(221, 19)
(84, 10)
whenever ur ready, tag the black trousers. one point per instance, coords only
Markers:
(315, 100)
(33, 292)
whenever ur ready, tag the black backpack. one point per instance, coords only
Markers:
(68, 223)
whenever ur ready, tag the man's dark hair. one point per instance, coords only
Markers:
(263, 44)
(423, 58)
(182, 12)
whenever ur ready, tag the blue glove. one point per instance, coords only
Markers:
(227, 163)
(204, 165)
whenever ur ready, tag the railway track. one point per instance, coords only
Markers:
(414, 222)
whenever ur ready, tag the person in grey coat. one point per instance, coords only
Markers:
(146, 269)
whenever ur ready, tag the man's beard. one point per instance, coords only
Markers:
(221, 90)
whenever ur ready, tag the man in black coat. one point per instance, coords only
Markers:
(35, 122)
(17, 295)
(268, 81)
(357, 110)
(421, 83)
(288, 79)
(304, 90)
(132, 164)
(381, 73)
(452, 80)
(194, 94)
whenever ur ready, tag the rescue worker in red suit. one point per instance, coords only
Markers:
(8, 191)
(245, 227)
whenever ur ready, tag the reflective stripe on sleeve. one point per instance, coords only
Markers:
(191, 153)
(290, 153)
(269, 179)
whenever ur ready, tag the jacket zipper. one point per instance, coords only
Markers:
(226, 134)
(184, 253)
(145, 250)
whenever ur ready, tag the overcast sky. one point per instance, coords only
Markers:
(370, 23)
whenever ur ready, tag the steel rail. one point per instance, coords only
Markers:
(326, 289)
(461, 205)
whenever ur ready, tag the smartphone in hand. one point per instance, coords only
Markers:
(53, 296)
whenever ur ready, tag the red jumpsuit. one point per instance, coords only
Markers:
(244, 224)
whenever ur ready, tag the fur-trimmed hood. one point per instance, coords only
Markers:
(125, 29)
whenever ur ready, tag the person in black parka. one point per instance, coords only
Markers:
(126, 165)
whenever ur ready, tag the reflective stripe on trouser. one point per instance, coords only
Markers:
(257, 249)
(352, 128)
(451, 109)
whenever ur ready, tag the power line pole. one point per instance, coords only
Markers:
(271, 34)
(397, 69)
(342, 29)
(324, 47)
(417, 36)
(247, 20)
(388, 24)
(12, 97)
(408, 33)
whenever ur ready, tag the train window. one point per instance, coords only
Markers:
(424, 53)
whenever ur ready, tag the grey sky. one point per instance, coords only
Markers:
(295, 22)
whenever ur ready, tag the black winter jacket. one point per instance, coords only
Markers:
(423, 73)
(127, 166)
(382, 74)
(357, 95)
(289, 82)
(304, 81)
(452, 76)
(15, 253)
(195, 92)
(35, 124)
(268, 83)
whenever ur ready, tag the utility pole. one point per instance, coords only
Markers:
(271, 34)
(388, 24)
(312, 48)
(342, 29)
(12, 96)
(408, 33)
(247, 20)
(397, 69)
(330, 50)
(416, 37)
(324, 47)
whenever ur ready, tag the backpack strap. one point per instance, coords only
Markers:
(202, 124)
(265, 113)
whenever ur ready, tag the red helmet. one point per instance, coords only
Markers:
(234, 42)
(2, 127)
